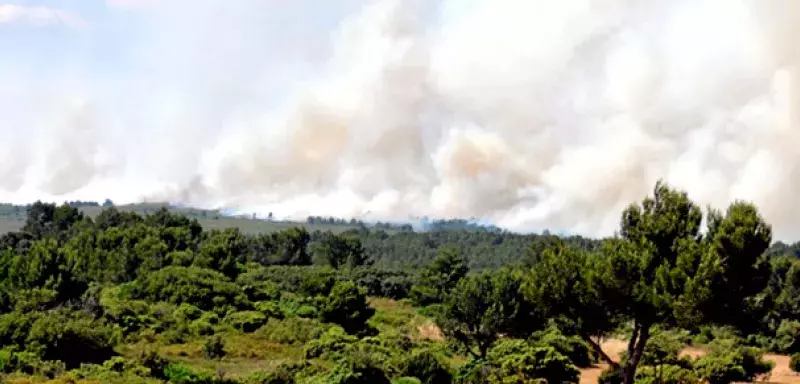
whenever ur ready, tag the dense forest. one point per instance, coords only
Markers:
(124, 297)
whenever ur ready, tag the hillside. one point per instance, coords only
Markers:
(146, 294)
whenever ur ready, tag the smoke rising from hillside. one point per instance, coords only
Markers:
(530, 114)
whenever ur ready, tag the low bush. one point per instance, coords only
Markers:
(573, 347)
(794, 363)
(426, 367)
(296, 331)
(246, 321)
(331, 344)
(665, 374)
(214, 348)
(729, 362)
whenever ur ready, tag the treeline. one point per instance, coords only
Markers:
(106, 298)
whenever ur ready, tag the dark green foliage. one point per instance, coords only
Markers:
(666, 374)
(330, 344)
(794, 363)
(611, 375)
(246, 321)
(787, 337)
(154, 363)
(663, 349)
(222, 251)
(388, 283)
(337, 251)
(297, 331)
(517, 361)
(346, 305)
(180, 374)
(303, 281)
(439, 278)
(356, 371)
(68, 336)
(482, 307)
(729, 361)
(50, 220)
(425, 366)
(573, 347)
(286, 373)
(204, 288)
(214, 348)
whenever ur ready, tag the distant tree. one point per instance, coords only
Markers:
(292, 247)
(222, 251)
(440, 277)
(112, 217)
(484, 306)
(45, 219)
(338, 251)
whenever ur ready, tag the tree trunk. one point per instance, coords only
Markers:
(641, 334)
(599, 350)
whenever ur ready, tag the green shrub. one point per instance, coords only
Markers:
(406, 380)
(475, 371)
(662, 348)
(201, 327)
(292, 305)
(295, 331)
(794, 363)
(356, 371)
(71, 337)
(286, 373)
(332, 343)
(204, 288)
(261, 290)
(175, 336)
(787, 337)
(347, 306)
(665, 374)
(573, 347)
(708, 333)
(180, 374)
(246, 321)
(299, 280)
(214, 348)
(728, 362)
(187, 311)
(391, 284)
(610, 375)
(517, 358)
(425, 366)
(270, 309)
(155, 364)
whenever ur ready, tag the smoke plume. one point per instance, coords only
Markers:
(530, 114)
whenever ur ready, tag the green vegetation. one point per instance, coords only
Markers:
(105, 294)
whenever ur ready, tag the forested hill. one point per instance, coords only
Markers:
(112, 295)
(387, 245)
(384, 244)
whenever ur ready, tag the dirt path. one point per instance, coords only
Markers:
(781, 374)
(614, 349)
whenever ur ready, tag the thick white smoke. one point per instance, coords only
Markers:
(530, 114)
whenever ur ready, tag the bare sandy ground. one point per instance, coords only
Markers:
(781, 374)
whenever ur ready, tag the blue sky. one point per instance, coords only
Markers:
(81, 37)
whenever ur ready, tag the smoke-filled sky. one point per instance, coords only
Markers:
(530, 114)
